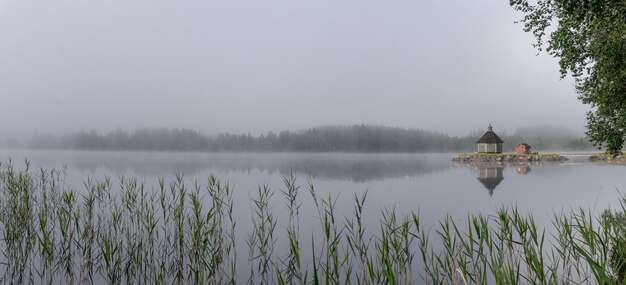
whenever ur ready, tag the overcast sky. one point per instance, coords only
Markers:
(261, 65)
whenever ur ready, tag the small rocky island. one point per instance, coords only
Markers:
(509, 157)
(489, 149)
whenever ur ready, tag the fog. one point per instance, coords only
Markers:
(258, 66)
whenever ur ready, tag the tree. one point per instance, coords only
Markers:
(588, 37)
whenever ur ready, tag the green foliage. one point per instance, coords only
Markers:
(589, 39)
(616, 221)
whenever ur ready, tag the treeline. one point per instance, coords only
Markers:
(356, 138)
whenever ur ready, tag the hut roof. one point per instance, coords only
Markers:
(490, 137)
(525, 145)
(491, 183)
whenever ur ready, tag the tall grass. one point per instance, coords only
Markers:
(185, 233)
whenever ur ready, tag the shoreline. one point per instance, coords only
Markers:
(607, 158)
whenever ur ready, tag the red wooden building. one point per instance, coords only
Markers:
(522, 148)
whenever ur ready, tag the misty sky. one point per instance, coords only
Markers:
(261, 65)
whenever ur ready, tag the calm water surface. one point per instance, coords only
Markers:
(428, 183)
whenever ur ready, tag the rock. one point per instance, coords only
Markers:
(508, 157)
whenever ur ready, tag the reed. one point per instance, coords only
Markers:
(185, 232)
(291, 265)
(261, 241)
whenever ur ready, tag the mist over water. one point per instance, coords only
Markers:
(353, 98)
(429, 182)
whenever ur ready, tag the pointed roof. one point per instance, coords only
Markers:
(490, 183)
(490, 137)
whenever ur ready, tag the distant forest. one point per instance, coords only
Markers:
(355, 138)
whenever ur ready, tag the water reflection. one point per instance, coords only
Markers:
(490, 177)
(522, 169)
(337, 166)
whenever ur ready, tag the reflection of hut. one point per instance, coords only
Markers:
(490, 177)
(522, 169)
(522, 148)
(490, 142)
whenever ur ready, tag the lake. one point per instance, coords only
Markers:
(426, 183)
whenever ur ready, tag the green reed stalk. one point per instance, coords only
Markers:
(358, 244)
(293, 273)
(50, 234)
(261, 240)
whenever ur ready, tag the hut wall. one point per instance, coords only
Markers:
(483, 147)
(490, 147)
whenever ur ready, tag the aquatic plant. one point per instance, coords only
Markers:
(179, 234)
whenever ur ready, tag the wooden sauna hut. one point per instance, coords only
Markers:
(489, 142)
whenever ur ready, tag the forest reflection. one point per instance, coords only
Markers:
(338, 166)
